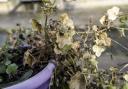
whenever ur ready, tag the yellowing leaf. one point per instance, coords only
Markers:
(29, 59)
(36, 26)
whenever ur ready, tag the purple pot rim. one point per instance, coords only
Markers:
(37, 80)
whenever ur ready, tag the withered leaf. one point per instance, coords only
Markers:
(36, 26)
(29, 59)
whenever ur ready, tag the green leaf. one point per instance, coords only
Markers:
(123, 25)
(123, 19)
(2, 68)
(125, 86)
(111, 87)
(11, 69)
(1, 79)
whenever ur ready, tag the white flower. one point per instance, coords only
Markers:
(98, 50)
(112, 13)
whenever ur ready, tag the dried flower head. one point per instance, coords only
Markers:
(65, 20)
(103, 39)
(113, 13)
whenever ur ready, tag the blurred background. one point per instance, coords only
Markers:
(21, 11)
(14, 12)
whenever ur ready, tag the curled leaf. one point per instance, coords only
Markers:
(95, 28)
(103, 20)
(103, 39)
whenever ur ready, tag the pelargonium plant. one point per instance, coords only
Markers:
(27, 51)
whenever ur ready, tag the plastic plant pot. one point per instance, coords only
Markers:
(39, 81)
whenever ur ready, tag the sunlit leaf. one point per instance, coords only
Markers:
(103, 20)
(126, 77)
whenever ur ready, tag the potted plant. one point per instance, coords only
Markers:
(76, 53)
